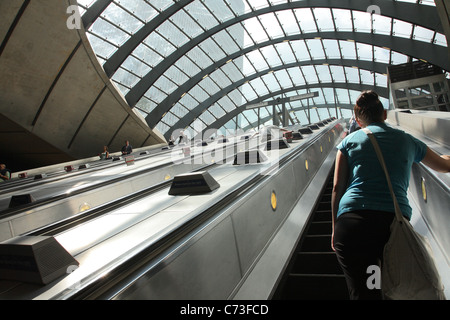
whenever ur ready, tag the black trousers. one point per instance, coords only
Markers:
(359, 239)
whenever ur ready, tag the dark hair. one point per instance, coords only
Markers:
(368, 107)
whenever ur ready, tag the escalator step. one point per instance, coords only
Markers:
(319, 227)
(316, 263)
(315, 287)
(324, 206)
(322, 215)
(317, 243)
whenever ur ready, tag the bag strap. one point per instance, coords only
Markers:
(398, 212)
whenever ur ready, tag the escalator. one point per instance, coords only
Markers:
(313, 272)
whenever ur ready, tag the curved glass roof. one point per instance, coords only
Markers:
(199, 63)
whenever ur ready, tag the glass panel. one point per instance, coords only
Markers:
(352, 74)
(324, 19)
(381, 80)
(381, 54)
(219, 9)
(440, 39)
(165, 85)
(271, 25)
(365, 51)
(328, 95)
(402, 29)
(343, 19)
(176, 75)
(124, 90)
(146, 105)
(255, 30)
(381, 24)
(217, 111)
(187, 66)
(288, 22)
(248, 92)
(324, 73)
(155, 94)
(310, 74)
(232, 71)
(300, 50)
(272, 57)
(239, 7)
(315, 48)
(148, 55)
(188, 102)
(184, 22)
(296, 76)
(210, 47)
(207, 117)
(226, 42)
(338, 73)
(306, 20)
(209, 86)
(179, 111)
(271, 81)
(398, 58)
(161, 127)
(284, 79)
(101, 47)
(121, 18)
(362, 21)
(139, 8)
(367, 77)
(348, 49)
(162, 4)
(220, 78)
(238, 33)
(342, 96)
(124, 77)
(108, 32)
(169, 31)
(159, 44)
(199, 12)
(354, 95)
(136, 66)
(259, 87)
(285, 52)
(170, 119)
(199, 57)
(331, 49)
(423, 34)
(226, 104)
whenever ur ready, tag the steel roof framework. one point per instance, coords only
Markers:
(185, 61)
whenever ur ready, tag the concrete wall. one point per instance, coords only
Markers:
(55, 97)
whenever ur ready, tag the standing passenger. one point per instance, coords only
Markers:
(127, 148)
(105, 154)
(5, 175)
(362, 207)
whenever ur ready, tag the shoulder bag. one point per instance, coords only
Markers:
(408, 271)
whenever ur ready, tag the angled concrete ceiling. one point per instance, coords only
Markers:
(56, 100)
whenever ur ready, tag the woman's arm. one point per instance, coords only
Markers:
(339, 186)
(437, 162)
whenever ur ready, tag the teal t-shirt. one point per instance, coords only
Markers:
(367, 186)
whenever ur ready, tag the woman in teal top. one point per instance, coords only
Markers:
(400, 150)
(362, 207)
